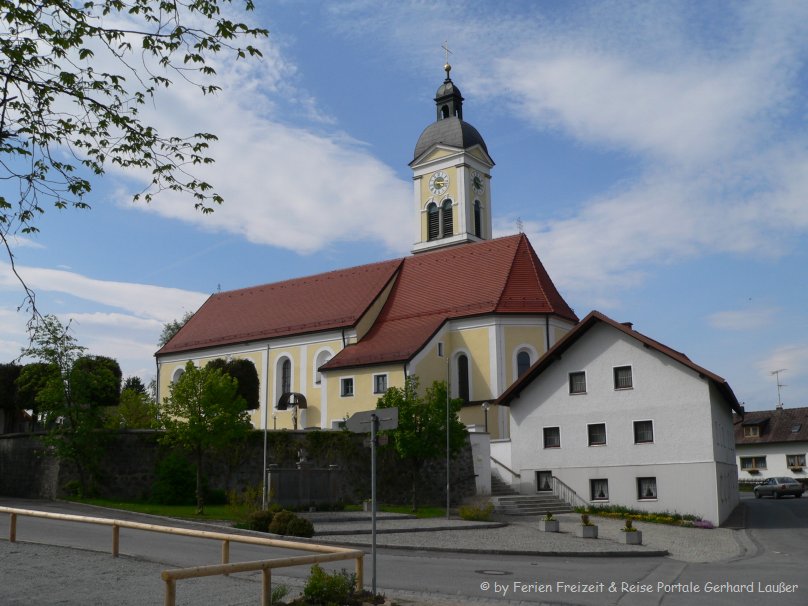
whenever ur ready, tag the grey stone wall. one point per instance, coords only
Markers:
(128, 469)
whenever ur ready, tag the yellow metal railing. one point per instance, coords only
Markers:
(323, 553)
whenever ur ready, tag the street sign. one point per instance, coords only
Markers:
(359, 422)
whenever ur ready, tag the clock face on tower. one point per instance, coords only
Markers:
(439, 183)
(477, 182)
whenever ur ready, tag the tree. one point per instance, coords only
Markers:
(73, 79)
(244, 372)
(204, 414)
(69, 390)
(172, 328)
(9, 398)
(421, 432)
(96, 381)
(135, 411)
(135, 384)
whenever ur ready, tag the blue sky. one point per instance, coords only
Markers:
(655, 153)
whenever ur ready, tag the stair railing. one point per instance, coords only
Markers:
(505, 467)
(567, 494)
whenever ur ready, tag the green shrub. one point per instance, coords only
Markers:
(215, 496)
(280, 522)
(260, 520)
(477, 513)
(300, 527)
(175, 481)
(324, 589)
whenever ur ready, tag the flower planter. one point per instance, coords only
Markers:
(632, 537)
(548, 525)
(587, 532)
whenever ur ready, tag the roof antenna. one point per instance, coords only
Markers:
(520, 227)
(776, 373)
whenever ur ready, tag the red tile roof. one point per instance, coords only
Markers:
(595, 317)
(502, 276)
(327, 301)
(775, 426)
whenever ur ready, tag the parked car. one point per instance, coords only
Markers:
(777, 487)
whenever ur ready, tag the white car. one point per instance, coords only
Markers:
(777, 487)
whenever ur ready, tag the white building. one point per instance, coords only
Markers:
(772, 443)
(623, 420)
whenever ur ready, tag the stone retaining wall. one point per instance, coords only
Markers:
(28, 470)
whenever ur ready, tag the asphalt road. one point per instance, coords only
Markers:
(770, 571)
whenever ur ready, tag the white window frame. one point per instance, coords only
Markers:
(544, 436)
(569, 382)
(342, 384)
(640, 496)
(592, 488)
(653, 433)
(386, 384)
(589, 435)
(614, 377)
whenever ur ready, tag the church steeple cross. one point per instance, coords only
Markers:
(447, 67)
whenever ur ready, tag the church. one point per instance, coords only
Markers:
(463, 307)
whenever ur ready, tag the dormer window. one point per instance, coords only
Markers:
(751, 431)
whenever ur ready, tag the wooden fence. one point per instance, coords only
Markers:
(322, 553)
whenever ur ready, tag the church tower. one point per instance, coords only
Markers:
(452, 177)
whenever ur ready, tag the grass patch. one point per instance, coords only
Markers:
(183, 512)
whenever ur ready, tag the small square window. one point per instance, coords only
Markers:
(379, 383)
(552, 437)
(622, 377)
(643, 432)
(346, 387)
(578, 382)
(751, 431)
(796, 460)
(597, 434)
(753, 463)
(646, 488)
(599, 490)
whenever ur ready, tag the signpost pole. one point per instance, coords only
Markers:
(374, 422)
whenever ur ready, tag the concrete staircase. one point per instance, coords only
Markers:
(509, 502)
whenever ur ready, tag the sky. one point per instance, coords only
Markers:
(655, 153)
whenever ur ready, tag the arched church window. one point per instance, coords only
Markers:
(433, 221)
(286, 376)
(463, 388)
(478, 219)
(446, 219)
(522, 363)
(322, 358)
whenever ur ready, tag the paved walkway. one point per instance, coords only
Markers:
(59, 575)
(521, 535)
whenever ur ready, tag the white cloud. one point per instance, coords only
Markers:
(155, 303)
(792, 359)
(741, 320)
(705, 101)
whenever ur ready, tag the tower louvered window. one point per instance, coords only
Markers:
(478, 219)
(446, 218)
(433, 221)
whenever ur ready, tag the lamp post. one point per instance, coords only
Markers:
(486, 406)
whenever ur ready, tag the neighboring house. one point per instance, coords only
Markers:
(475, 310)
(624, 420)
(771, 443)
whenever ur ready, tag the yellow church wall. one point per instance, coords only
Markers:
(516, 337)
(341, 407)
(475, 342)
